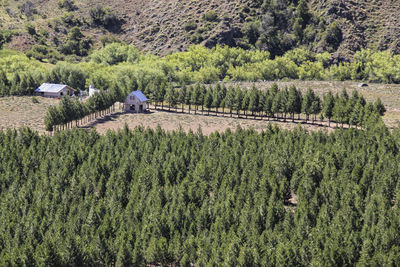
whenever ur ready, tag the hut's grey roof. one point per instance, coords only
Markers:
(139, 95)
(51, 88)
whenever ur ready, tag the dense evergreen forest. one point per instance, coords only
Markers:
(147, 196)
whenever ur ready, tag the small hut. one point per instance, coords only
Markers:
(136, 102)
(93, 91)
(54, 90)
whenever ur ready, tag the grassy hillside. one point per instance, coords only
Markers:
(171, 25)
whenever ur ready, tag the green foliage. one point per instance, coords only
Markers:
(76, 44)
(43, 52)
(104, 16)
(191, 25)
(5, 36)
(211, 16)
(30, 28)
(116, 53)
(65, 73)
(251, 31)
(69, 19)
(109, 39)
(69, 5)
(72, 110)
(333, 36)
(152, 197)
(125, 66)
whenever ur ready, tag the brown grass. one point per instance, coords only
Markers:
(16, 112)
(21, 111)
(170, 121)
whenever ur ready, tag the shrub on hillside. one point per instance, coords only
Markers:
(210, 16)
(109, 39)
(190, 25)
(69, 19)
(30, 29)
(76, 44)
(333, 36)
(28, 9)
(104, 16)
(69, 5)
(5, 36)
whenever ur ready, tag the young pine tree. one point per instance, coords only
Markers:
(328, 104)
(307, 103)
(208, 100)
(182, 96)
(254, 99)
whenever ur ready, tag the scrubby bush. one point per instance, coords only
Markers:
(115, 53)
(211, 16)
(76, 43)
(190, 25)
(104, 16)
(5, 36)
(28, 8)
(69, 19)
(69, 5)
(30, 28)
(333, 36)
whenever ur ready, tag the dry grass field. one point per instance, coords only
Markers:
(16, 112)
(170, 121)
(22, 111)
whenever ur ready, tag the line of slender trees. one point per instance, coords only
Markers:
(69, 111)
(272, 103)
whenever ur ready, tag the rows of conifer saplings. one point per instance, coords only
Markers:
(271, 102)
(68, 111)
(131, 198)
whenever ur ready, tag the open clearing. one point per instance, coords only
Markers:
(17, 112)
(22, 111)
(170, 121)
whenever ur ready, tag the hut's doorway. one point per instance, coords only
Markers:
(141, 108)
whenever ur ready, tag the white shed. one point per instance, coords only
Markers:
(93, 90)
(54, 90)
(136, 102)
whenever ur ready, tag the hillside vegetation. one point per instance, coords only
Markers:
(123, 67)
(339, 27)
